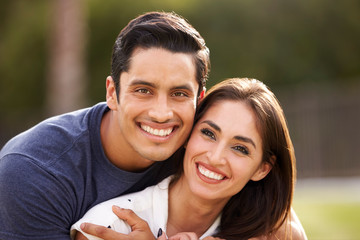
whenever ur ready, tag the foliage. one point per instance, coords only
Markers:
(23, 55)
(280, 42)
(329, 210)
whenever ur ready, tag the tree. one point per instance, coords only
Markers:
(66, 81)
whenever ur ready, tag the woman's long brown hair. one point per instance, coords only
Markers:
(261, 207)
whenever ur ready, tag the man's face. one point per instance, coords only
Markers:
(157, 102)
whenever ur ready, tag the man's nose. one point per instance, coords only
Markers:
(161, 111)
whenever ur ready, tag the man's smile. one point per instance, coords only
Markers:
(157, 132)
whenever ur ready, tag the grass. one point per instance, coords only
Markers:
(329, 211)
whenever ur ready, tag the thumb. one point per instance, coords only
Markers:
(135, 222)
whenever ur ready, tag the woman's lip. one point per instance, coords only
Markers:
(209, 173)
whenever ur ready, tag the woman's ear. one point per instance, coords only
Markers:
(264, 169)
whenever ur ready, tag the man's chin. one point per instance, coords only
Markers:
(157, 155)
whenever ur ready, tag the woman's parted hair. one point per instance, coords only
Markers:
(261, 207)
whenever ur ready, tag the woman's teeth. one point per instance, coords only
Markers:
(209, 174)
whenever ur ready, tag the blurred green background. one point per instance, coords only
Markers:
(55, 56)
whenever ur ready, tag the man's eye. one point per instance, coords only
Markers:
(208, 133)
(180, 94)
(143, 91)
(241, 149)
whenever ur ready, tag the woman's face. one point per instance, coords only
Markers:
(224, 152)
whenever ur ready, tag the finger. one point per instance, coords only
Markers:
(80, 236)
(162, 237)
(102, 232)
(135, 222)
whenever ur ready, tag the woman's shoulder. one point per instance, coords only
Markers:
(297, 230)
(291, 229)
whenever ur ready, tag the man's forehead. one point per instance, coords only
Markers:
(158, 67)
(153, 50)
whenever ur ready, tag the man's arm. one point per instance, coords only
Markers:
(33, 205)
(140, 229)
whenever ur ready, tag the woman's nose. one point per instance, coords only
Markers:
(217, 154)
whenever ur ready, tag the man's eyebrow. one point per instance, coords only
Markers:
(142, 82)
(183, 87)
(240, 138)
(245, 139)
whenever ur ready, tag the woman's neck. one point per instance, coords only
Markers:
(188, 212)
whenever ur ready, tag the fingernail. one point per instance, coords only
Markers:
(82, 226)
(159, 232)
(116, 207)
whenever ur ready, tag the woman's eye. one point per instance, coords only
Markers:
(241, 149)
(208, 133)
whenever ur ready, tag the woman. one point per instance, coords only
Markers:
(237, 177)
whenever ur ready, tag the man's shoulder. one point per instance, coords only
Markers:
(73, 123)
(55, 135)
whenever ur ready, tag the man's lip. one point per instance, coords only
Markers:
(158, 130)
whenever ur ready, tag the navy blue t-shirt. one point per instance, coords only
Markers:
(51, 174)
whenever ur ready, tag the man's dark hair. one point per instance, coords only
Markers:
(161, 30)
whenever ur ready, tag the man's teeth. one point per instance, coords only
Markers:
(210, 174)
(157, 132)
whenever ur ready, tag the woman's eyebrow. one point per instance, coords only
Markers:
(212, 124)
(245, 139)
(240, 138)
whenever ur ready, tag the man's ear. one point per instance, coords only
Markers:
(264, 169)
(111, 97)
(202, 94)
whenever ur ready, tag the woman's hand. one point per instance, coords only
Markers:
(189, 236)
(184, 236)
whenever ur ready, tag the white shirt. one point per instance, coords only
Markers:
(151, 204)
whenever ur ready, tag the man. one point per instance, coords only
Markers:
(51, 174)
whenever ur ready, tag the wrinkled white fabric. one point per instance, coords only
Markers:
(151, 204)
